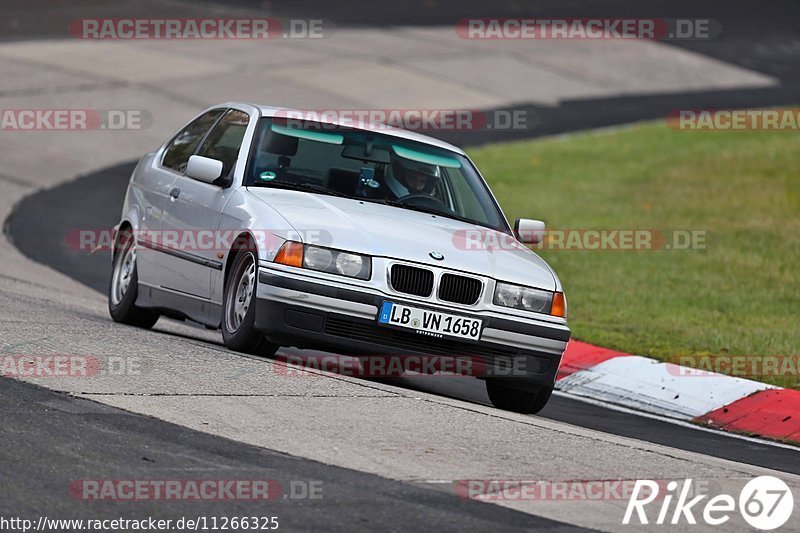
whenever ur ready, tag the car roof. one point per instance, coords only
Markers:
(271, 111)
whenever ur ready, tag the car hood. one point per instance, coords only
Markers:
(387, 231)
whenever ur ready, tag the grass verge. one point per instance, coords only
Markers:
(740, 295)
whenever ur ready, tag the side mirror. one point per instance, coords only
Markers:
(204, 169)
(529, 231)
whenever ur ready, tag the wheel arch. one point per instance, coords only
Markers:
(244, 241)
(119, 229)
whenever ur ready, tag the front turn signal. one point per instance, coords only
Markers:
(290, 254)
(559, 307)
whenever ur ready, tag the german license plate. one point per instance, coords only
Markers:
(432, 323)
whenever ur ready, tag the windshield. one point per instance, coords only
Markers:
(370, 166)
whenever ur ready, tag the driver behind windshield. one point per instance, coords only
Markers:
(411, 178)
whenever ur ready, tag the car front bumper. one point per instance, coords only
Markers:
(293, 310)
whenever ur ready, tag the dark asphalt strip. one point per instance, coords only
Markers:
(492, 126)
(90, 203)
(50, 441)
(42, 222)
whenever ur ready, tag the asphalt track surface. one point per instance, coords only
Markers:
(39, 228)
(74, 435)
(760, 37)
(39, 423)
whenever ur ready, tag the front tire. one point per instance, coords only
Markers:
(239, 309)
(124, 288)
(503, 396)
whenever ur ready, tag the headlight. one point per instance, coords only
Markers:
(536, 300)
(349, 264)
(528, 299)
(507, 295)
(325, 260)
(317, 258)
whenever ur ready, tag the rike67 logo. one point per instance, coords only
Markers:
(766, 503)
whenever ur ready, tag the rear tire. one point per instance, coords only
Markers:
(239, 309)
(124, 287)
(508, 398)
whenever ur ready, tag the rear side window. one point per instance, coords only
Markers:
(225, 139)
(185, 143)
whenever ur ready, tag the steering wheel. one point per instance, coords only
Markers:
(424, 200)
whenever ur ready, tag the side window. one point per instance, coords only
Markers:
(225, 139)
(184, 144)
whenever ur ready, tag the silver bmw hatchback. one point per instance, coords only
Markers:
(353, 238)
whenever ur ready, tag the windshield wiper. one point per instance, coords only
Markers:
(294, 186)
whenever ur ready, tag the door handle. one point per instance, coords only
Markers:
(174, 193)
